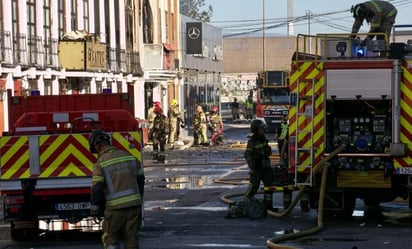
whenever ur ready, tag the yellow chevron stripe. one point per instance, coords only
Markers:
(408, 109)
(61, 157)
(57, 162)
(317, 119)
(133, 136)
(22, 159)
(72, 169)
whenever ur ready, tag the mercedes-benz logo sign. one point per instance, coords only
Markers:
(193, 33)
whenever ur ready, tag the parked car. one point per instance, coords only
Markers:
(226, 111)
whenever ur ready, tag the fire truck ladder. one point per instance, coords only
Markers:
(305, 101)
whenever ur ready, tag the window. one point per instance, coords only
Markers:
(31, 31)
(60, 8)
(47, 32)
(73, 15)
(86, 15)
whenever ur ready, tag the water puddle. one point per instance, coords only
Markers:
(187, 182)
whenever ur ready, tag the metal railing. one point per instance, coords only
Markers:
(337, 46)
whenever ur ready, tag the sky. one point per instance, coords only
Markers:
(326, 16)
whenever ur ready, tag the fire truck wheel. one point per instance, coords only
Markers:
(371, 202)
(410, 200)
(24, 234)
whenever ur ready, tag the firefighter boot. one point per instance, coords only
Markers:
(155, 155)
(161, 157)
(267, 201)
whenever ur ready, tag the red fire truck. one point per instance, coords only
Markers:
(358, 97)
(46, 166)
(272, 97)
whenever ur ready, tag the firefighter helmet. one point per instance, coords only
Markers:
(215, 109)
(358, 10)
(158, 109)
(174, 102)
(96, 138)
(256, 125)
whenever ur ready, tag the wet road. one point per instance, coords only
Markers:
(183, 210)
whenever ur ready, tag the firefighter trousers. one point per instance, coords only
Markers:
(122, 225)
(264, 174)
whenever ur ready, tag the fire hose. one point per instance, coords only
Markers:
(271, 243)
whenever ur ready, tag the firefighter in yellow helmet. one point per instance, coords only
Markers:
(173, 115)
(379, 14)
(116, 192)
(200, 127)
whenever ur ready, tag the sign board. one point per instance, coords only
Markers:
(82, 55)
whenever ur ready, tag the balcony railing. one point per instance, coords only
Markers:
(43, 53)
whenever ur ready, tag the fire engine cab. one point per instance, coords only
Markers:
(355, 96)
(46, 165)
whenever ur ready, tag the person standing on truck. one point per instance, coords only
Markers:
(200, 127)
(116, 192)
(257, 155)
(235, 110)
(173, 115)
(249, 108)
(282, 135)
(159, 134)
(379, 14)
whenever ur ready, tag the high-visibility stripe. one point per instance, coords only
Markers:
(376, 5)
(309, 70)
(122, 200)
(406, 115)
(65, 155)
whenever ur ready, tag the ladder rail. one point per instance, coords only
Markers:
(308, 115)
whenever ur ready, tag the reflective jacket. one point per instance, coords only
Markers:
(118, 177)
(376, 13)
(257, 152)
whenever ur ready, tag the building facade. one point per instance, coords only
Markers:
(201, 67)
(56, 47)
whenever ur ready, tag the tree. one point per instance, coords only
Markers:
(192, 8)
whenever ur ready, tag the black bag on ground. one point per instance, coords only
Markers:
(247, 207)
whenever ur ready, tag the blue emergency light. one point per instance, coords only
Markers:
(360, 51)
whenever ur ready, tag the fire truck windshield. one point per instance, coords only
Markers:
(274, 96)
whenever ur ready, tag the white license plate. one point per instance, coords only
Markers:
(405, 170)
(72, 206)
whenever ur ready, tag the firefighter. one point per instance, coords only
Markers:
(200, 127)
(151, 115)
(174, 122)
(257, 155)
(235, 111)
(216, 126)
(116, 192)
(380, 14)
(281, 135)
(159, 134)
(249, 108)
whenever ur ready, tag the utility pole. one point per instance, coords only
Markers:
(309, 15)
(263, 37)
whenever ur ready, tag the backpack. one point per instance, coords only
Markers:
(248, 207)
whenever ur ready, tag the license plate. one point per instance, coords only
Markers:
(72, 206)
(405, 170)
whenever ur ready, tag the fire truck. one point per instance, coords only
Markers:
(46, 165)
(355, 96)
(272, 97)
